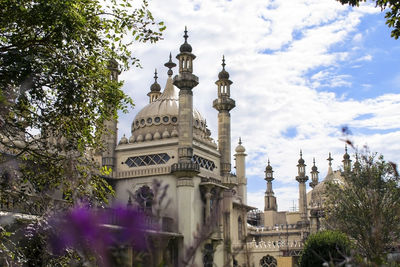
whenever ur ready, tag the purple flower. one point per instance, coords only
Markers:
(93, 232)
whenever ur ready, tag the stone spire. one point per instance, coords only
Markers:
(346, 160)
(302, 179)
(314, 175)
(155, 89)
(357, 165)
(269, 198)
(224, 104)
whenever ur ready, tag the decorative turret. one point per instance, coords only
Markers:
(314, 175)
(240, 158)
(269, 198)
(346, 161)
(155, 89)
(302, 179)
(301, 170)
(224, 104)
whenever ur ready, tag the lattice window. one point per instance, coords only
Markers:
(147, 160)
(204, 163)
(268, 261)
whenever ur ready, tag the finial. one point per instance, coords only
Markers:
(170, 65)
(240, 140)
(314, 161)
(330, 159)
(301, 153)
(155, 75)
(185, 36)
(345, 148)
(268, 161)
(223, 62)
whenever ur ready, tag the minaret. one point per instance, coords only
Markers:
(185, 169)
(155, 89)
(224, 104)
(270, 199)
(314, 175)
(110, 136)
(185, 81)
(346, 161)
(302, 179)
(240, 158)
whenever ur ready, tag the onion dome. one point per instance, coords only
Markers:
(346, 156)
(155, 87)
(301, 160)
(223, 75)
(269, 167)
(185, 47)
(123, 140)
(240, 148)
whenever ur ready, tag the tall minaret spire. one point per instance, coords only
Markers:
(269, 198)
(155, 89)
(302, 179)
(330, 159)
(224, 104)
(170, 65)
(185, 169)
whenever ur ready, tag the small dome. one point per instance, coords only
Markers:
(346, 156)
(123, 140)
(132, 139)
(301, 161)
(223, 75)
(155, 87)
(240, 148)
(185, 47)
(314, 168)
(268, 168)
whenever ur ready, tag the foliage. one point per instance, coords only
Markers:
(59, 62)
(366, 207)
(392, 16)
(56, 60)
(325, 247)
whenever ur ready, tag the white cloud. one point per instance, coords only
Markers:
(270, 47)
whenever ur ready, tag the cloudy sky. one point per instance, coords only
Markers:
(301, 70)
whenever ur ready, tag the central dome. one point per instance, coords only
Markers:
(159, 119)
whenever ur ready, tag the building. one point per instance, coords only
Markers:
(171, 143)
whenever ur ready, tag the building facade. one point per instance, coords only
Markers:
(204, 215)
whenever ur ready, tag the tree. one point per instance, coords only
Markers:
(366, 207)
(392, 16)
(325, 247)
(55, 87)
(58, 87)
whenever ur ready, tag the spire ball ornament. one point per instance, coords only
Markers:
(223, 75)
(185, 47)
(170, 65)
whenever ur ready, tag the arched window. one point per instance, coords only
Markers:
(240, 229)
(268, 261)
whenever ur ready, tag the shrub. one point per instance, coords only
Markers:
(330, 247)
